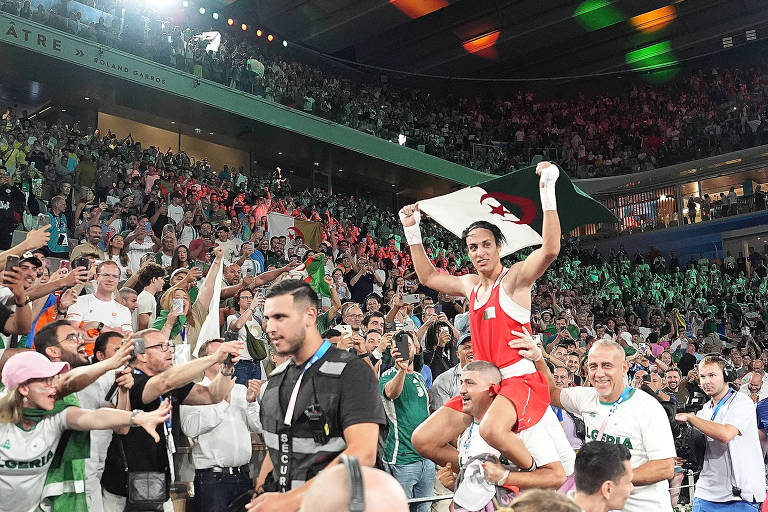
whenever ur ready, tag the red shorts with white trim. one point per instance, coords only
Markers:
(528, 393)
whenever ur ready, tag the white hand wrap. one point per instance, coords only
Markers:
(549, 175)
(412, 233)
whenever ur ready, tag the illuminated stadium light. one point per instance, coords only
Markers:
(418, 8)
(243, 27)
(652, 21)
(482, 41)
(202, 10)
(215, 15)
(285, 43)
(597, 14)
(185, 4)
(259, 32)
(270, 38)
(230, 22)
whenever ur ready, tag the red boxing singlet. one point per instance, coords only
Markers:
(491, 324)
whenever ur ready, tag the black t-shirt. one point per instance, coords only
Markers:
(362, 288)
(142, 452)
(359, 401)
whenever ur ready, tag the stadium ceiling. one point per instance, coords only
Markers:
(512, 39)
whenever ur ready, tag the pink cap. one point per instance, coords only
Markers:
(28, 365)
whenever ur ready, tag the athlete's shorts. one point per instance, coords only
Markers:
(529, 394)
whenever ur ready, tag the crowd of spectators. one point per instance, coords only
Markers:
(156, 219)
(699, 114)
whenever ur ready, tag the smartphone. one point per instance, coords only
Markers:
(231, 335)
(402, 344)
(43, 220)
(12, 261)
(438, 309)
(147, 227)
(411, 298)
(178, 305)
(81, 261)
(444, 329)
(536, 338)
(65, 265)
(139, 347)
(345, 330)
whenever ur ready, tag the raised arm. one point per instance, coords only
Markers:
(428, 275)
(79, 378)
(206, 291)
(102, 419)
(539, 260)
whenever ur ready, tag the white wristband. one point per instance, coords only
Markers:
(548, 198)
(503, 479)
(412, 234)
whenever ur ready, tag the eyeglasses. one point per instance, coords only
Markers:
(48, 382)
(75, 336)
(111, 276)
(164, 347)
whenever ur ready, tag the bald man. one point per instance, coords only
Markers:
(755, 388)
(330, 492)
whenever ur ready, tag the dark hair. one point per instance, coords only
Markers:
(299, 289)
(46, 336)
(498, 236)
(598, 462)
(374, 295)
(100, 345)
(371, 314)
(149, 272)
(331, 333)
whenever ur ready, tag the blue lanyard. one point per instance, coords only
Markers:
(720, 404)
(295, 393)
(558, 411)
(624, 395)
(467, 441)
(169, 421)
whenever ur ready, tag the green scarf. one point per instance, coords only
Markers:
(64, 488)
(163, 316)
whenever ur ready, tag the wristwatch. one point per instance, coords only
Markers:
(26, 301)
(134, 412)
(226, 374)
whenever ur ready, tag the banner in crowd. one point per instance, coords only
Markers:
(212, 38)
(295, 230)
(512, 203)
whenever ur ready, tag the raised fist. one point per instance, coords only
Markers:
(548, 173)
(410, 215)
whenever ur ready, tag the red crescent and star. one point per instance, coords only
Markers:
(527, 207)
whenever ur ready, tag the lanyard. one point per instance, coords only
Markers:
(720, 404)
(624, 395)
(464, 452)
(558, 411)
(295, 393)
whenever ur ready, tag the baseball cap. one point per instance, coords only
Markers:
(461, 323)
(178, 271)
(464, 337)
(30, 365)
(29, 258)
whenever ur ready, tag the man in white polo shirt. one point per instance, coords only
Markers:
(616, 413)
(99, 310)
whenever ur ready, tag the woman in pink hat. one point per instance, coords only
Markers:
(31, 426)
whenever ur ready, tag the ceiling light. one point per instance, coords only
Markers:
(270, 38)
(315, 163)
(210, 133)
(341, 170)
(285, 43)
(173, 122)
(202, 10)
(259, 32)
(86, 98)
(243, 27)
(185, 4)
(63, 110)
(279, 152)
(230, 22)
(215, 15)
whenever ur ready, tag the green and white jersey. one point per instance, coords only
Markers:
(25, 456)
(404, 414)
(640, 424)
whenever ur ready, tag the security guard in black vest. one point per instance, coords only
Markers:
(320, 403)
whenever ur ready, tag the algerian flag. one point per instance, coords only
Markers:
(296, 230)
(315, 268)
(512, 203)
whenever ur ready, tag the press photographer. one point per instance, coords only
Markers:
(733, 470)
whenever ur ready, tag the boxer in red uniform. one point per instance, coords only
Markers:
(500, 303)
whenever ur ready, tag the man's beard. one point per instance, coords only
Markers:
(291, 347)
(73, 359)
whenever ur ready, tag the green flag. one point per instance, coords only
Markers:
(315, 268)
